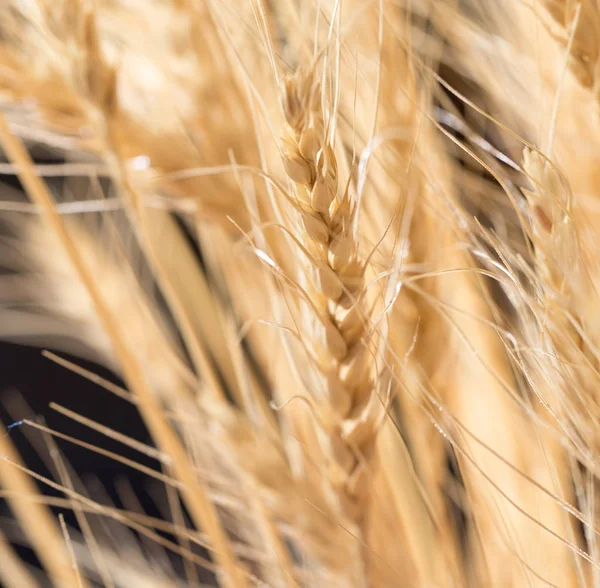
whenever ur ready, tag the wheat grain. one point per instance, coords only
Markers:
(400, 387)
(338, 296)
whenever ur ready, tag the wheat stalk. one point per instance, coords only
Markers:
(398, 386)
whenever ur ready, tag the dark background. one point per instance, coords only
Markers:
(26, 373)
(29, 382)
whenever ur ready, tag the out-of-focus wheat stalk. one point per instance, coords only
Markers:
(373, 359)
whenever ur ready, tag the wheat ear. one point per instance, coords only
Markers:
(337, 292)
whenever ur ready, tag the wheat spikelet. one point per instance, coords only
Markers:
(89, 53)
(398, 385)
(561, 215)
(339, 298)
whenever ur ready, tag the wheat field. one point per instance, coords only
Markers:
(344, 256)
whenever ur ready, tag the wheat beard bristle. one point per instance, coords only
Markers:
(351, 411)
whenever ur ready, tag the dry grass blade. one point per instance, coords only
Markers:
(43, 532)
(202, 510)
(344, 256)
(13, 572)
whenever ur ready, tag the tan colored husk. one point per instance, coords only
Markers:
(347, 253)
(561, 190)
(74, 43)
(336, 294)
(466, 368)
